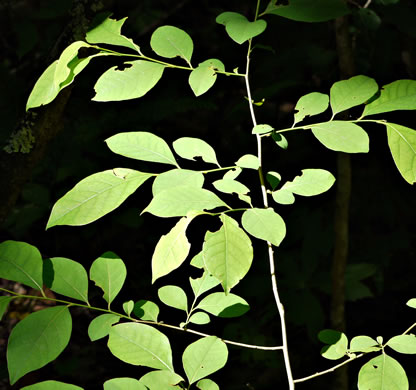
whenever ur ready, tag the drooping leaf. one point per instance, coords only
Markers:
(202, 78)
(161, 380)
(262, 129)
(382, 373)
(37, 340)
(224, 305)
(203, 284)
(146, 310)
(309, 10)
(128, 307)
(179, 201)
(173, 296)
(109, 273)
(51, 385)
(337, 344)
(248, 161)
(228, 253)
(313, 103)
(175, 178)
(404, 343)
(170, 42)
(133, 81)
(4, 304)
(207, 384)
(352, 92)
(402, 144)
(364, 344)
(238, 28)
(229, 186)
(204, 357)
(189, 148)
(96, 196)
(283, 197)
(398, 95)
(342, 136)
(124, 384)
(311, 182)
(21, 262)
(199, 318)
(66, 277)
(140, 345)
(265, 224)
(100, 326)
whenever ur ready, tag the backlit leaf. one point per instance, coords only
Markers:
(146, 310)
(337, 344)
(202, 78)
(128, 307)
(203, 284)
(170, 42)
(364, 344)
(100, 326)
(161, 380)
(283, 197)
(207, 384)
(224, 305)
(404, 343)
(230, 186)
(311, 104)
(173, 296)
(177, 177)
(199, 318)
(248, 161)
(311, 182)
(411, 303)
(51, 385)
(124, 384)
(190, 148)
(262, 129)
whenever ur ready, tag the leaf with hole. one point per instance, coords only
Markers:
(224, 305)
(202, 78)
(189, 148)
(170, 42)
(313, 103)
(173, 296)
(100, 326)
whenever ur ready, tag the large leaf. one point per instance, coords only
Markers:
(170, 42)
(109, 273)
(404, 343)
(179, 201)
(311, 182)
(51, 385)
(202, 78)
(228, 253)
(100, 326)
(382, 373)
(265, 224)
(402, 144)
(95, 196)
(313, 103)
(134, 80)
(140, 345)
(161, 380)
(342, 136)
(398, 95)
(309, 10)
(190, 148)
(124, 384)
(175, 178)
(37, 340)
(173, 296)
(203, 357)
(66, 277)
(171, 250)
(21, 263)
(224, 305)
(352, 92)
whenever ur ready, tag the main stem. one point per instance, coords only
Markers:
(279, 304)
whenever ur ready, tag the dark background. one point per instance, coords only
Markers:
(297, 58)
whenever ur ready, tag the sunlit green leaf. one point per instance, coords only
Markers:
(203, 284)
(248, 161)
(128, 307)
(283, 197)
(224, 305)
(207, 384)
(311, 104)
(202, 78)
(232, 174)
(411, 303)
(124, 384)
(37, 340)
(173, 296)
(364, 344)
(146, 310)
(337, 344)
(170, 42)
(280, 140)
(230, 186)
(404, 343)
(190, 148)
(100, 326)
(311, 182)
(262, 129)
(199, 318)
(175, 178)
(51, 385)
(161, 380)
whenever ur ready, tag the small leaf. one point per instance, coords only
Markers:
(248, 161)
(405, 343)
(311, 104)
(161, 380)
(352, 92)
(109, 273)
(173, 296)
(128, 307)
(411, 303)
(170, 42)
(280, 140)
(238, 28)
(273, 178)
(232, 174)
(262, 129)
(134, 81)
(190, 148)
(207, 384)
(230, 186)
(100, 326)
(203, 284)
(146, 310)
(199, 318)
(51, 385)
(124, 384)
(283, 197)
(198, 261)
(204, 357)
(202, 78)
(4, 304)
(95, 196)
(21, 263)
(175, 178)
(37, 340)
(337, 344)
(364, 344)
(342, 136)
(311, 182)
(224, 305)
(382, 373)
(140, 345)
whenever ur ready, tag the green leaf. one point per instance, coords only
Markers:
(146, 310)
(109, 273)
(204, 357)
(273, 179)
(280, 140)
(66, 277)
(51, 385)
(141, 145)
(128, 307)
(4, 304)
(398, 95)
(311, 182)
(337, 344)
(283, 197)
(230, 186)
(100, 326)
(342, 136)
(232, 174)
(96, 196)
(173, 296)
(171, 250)
(202, 78)
(190, 148)
(228, 253)
(405, 343)
(170, 42)
(352, 92)
(161, 380)
(21, 262)
(238, 28)
(309, 10)
(199, 318)
(198, 261)
(224, 305)
(248, 161)
(265, 224)
(411, 303)
(179, 201)
(364, 344)
(203, 284)
(207, 384)
(132, 81)
(140, 345)
(262, 129)
(108, 31)
(402, 144)
(382, 373)
(311, 104)
(37, 340)
(175, 178)
(124, 384)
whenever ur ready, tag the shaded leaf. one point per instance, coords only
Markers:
(404, 343)
(124, 384)
(161, 380)
(173, 296)
(202, 78)
(273, 178)
(280, 140)
(146, 310)
(170, 42)
(189, 148)
(51, 385)
(311, 104)
(100, 326)
(337, 344)
(224, 305)
(175, 178)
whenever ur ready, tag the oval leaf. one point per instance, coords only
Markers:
(311, 182)
(124, 384)
(311, 104)
(199, 318)
(173, 296)
(248, 161)
(337, 344)
(202, 78)
(190, 148)
(283, 197)
(262, 129)
(224, 305)
(175, 178)
(203, 284)
(207, 384)
(170, 42)
(146, 310)
(51, 385)
(161, 380)
(411, 303)
(229, 186)
(405, 343)
(100, 326)
(37, 340)
(364, 344)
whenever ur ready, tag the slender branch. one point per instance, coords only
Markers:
(409, 329)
